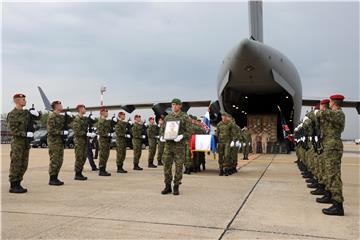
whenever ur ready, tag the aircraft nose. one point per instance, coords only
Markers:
(246, 47)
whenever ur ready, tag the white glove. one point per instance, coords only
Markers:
(157, 137)
(316, 111)
(92, 117)
(249, 144)
(113, 134)
(70, 114)
(130, 122)
(244, 144)
(143, 136)
(232, 144)
(162, 139)
(178, 138)
(30, 134)
(109, 134)
(237, 144)
(65, 133)
(114, 120)
(127, 136)
(34, 112)
(310, 138)
(91, 135)
(305, 118)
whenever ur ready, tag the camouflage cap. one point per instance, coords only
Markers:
(176, 101)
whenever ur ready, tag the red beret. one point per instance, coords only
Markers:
(317, 106)
(19, 95)
(103, 109)
(136, 116)
(121, 113)
(151, 118)
(79, 106)
(324, 101)
(337, 97)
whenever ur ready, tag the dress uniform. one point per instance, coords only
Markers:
(18, 122)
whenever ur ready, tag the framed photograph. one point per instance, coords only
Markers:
(171, 130)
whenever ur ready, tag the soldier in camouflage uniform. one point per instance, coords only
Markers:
(246, 143)
(226, 135)
(105, 133)
(324, 104)
(161, 145)
(333, 122)
(175, 149)
(153, 136)
(122, 133)
(56, 134)
(81, 134)
(137, 138)
(190, 160)
(18, 122)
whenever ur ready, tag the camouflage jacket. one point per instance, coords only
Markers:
(80, 126)
(184, 128)
(332, 125)
(136, 130)
(17, 121)
(246, 136)
(226, 132)
(121, 129)
(152, 131)
(55, 124)
(104, 128)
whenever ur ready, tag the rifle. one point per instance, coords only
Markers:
(90, 123)
(66, 126)
(317, 137)
(31, 122)
(112, 126)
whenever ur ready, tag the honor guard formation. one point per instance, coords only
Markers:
(319, 150)
(317, 140)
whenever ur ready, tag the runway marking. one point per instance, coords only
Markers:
(246, 198)
(285, 233)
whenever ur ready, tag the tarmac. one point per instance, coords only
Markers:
(266, 199)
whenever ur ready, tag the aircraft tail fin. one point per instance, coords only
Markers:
(256, 20)
(45, 100)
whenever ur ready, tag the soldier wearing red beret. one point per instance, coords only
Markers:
(122, 134)
(333, 122)
(137, 137)
(153, 135)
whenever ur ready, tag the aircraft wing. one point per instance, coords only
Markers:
(346, 104)
(159, 107)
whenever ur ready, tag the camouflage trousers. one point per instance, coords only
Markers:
(233, 156)
(310, 157)
(321, 168)
(224, 155)
(104, 149)
(56, 152)
(19, 156)
(160, 151)
(152, 149)
(333, 183)
(173, 153)
(137, 144)
(188, 162)
(246, 149)
(120, 151)
(80, 153)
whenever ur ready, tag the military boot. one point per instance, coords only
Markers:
(54, 181)
(203, 166)
(167, 189)
(313, 185)
(120, 169)
(137, 167)
(15, 187)
(336, 209)
(151, 165)
(176, 190)
(226, 172)
(160, 163)
(79, 176)
(307, 175)
(103, 172)
(311, 180)
(325, 199)
(319, 191)
(221, 172)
